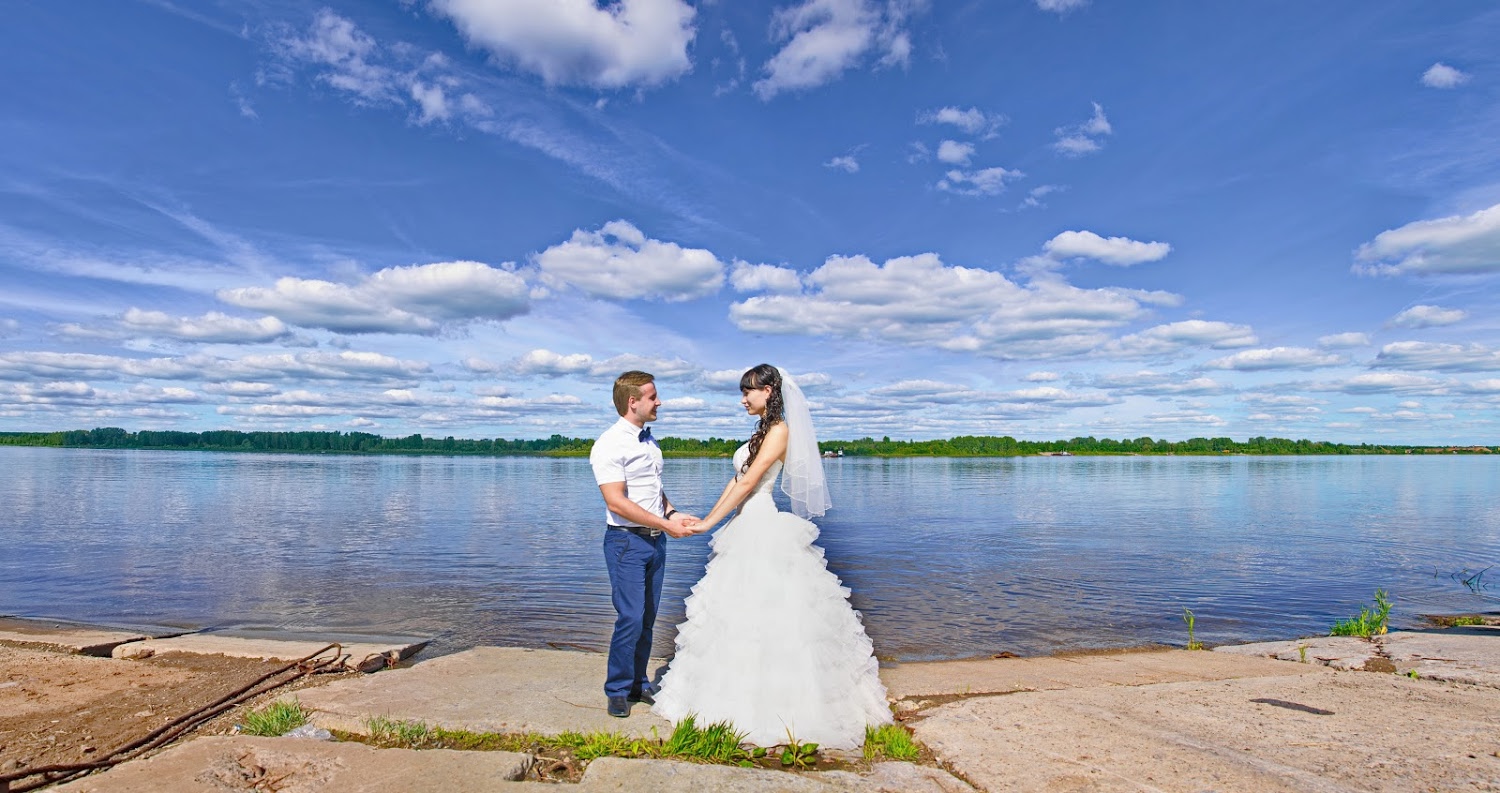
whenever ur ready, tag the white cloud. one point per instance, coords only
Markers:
(1081, 139)
(211, 327)
(1060, 6)
(240, 388)
(1441, 75)
(1427, 317)
(1058, 397)
(41, 365)
(150, 394)
(1381, 383)
(9, 327)
(1420, 355)
(922, 301)
(1344, 340)
(1276, 358)
(619, 262)
(413, 299)
(336, 43)
(1175, 337)
(432, 102)
(982, 182)
(1284, 403)
(1120, 251)
(1042, 377)
(746, 277)
(1149, 383)
(547, 363)
(846, 163)
(344, 365)
(972, 121)
(581, 42)
(551, 364)
(955, 153)
(825, 38)
(1455, 244)
(1036, 194)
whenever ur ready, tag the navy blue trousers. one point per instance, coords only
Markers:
(636, 565)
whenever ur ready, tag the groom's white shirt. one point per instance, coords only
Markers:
(621, 456)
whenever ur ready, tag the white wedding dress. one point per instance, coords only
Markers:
(771, 643)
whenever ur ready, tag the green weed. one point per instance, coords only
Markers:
(1193, 643)
(1368, 623)
(408, 734)
(1302, 653)
(890, 741)
(278, 718)
(716, 743)
(795, 753)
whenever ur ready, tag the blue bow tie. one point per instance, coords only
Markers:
(645, 435)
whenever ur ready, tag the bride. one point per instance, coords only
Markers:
(771, 643)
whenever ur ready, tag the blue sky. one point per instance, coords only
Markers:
(1040, 218)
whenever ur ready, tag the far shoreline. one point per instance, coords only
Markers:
(559, 446)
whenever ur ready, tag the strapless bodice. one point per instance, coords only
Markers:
(768, 482)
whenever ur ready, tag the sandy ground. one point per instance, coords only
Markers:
(58, 708)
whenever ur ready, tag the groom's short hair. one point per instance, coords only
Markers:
(629, 385)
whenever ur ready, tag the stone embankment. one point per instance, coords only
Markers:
(1407, 711)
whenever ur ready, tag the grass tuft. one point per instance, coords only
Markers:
(717, 743)
(891, 741)
(1369, 622)
(278, 718)
(408, 734)
(1193, 643)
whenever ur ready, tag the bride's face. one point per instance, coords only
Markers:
(754, 400)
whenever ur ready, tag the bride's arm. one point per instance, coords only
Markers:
(772, 448)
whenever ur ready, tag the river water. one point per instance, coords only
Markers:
(946, 557)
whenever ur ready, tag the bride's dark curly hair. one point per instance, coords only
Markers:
(760, 377)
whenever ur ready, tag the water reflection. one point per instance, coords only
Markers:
(946, 557)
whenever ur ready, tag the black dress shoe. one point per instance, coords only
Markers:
(641, 696)
(619, 707)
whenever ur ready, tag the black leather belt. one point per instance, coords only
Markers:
(639, 531)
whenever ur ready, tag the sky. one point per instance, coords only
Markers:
(1037, 218)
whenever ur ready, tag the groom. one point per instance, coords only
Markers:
(638, 518)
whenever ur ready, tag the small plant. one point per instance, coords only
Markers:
(1193, 643)
(1464, 621)
(890, 741)
(278, 718)
(801, 755)
(718, 742)
(1412, 673)
(1302, 653)
(404, 734)
(1368, 623)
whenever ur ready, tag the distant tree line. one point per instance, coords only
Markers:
(561, 446)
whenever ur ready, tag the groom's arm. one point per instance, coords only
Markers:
(617, 502)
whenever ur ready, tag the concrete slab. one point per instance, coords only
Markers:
(486, 689)
(1336, 652)
(66, 637)
(1457, 655)
(1336, 731)
(362, 656)
(290, 765)
(615, 775)
(1002, 675)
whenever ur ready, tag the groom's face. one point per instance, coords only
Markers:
(643, 408)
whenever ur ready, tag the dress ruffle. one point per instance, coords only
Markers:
(771, 643)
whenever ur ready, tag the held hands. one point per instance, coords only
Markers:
(684, 525)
